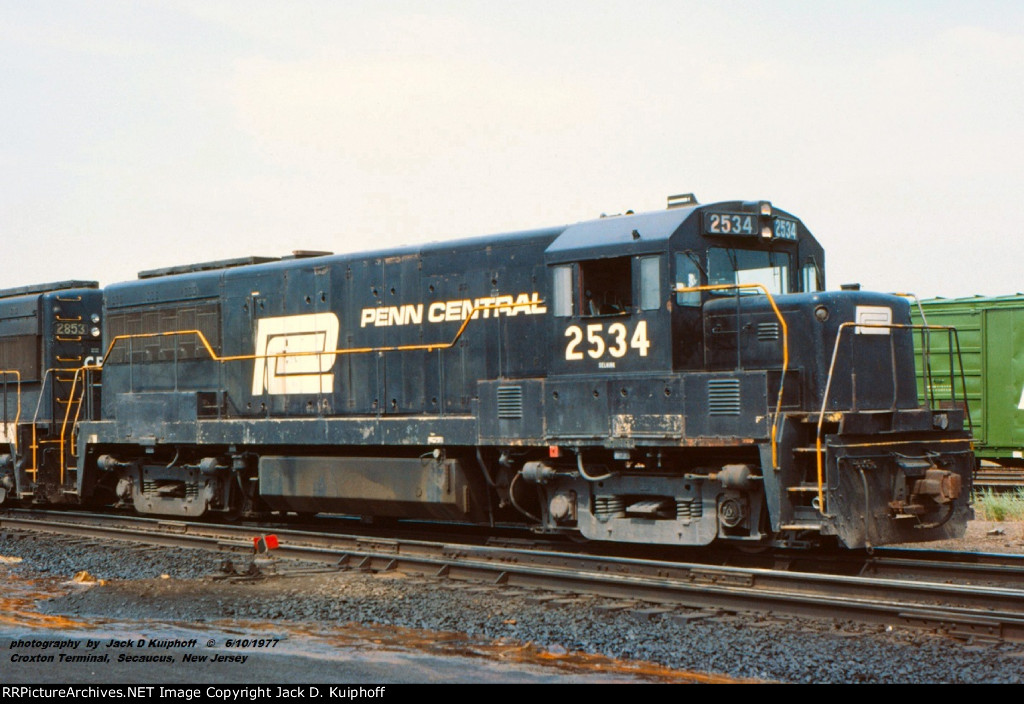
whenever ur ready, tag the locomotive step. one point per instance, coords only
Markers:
(809, 488)
(801, 526)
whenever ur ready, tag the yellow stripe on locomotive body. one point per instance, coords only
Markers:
(678, 377)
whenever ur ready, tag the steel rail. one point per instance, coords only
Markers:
(962, 610)
(1004, 574)
(990, 569)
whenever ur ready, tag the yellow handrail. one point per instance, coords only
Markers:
(785, 349)
(819, 453)
(34, 469)
(68, 403)
(67, 415)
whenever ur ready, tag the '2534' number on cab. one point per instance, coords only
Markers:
(596, 341)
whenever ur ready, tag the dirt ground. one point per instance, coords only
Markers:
(984, 536)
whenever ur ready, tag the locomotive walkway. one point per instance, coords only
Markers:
(943, 592)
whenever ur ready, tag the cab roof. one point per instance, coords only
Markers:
(617, 235)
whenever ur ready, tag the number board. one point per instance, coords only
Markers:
(71, 329)
(730, 224)
(785, 229)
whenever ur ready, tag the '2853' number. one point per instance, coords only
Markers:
(600, 342)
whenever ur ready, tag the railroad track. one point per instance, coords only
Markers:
(922, 597)
(953, 567)
(995, 477)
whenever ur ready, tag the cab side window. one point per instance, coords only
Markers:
(562, 291)
(650, 283)
(687, 276)
(607, 286)
(811, 276)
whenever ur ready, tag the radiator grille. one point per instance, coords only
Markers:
(161, 347)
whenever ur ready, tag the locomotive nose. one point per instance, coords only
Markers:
(940, 485)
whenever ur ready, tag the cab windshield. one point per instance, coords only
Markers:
(729, 266)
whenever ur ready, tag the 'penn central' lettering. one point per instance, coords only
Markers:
(448, 311)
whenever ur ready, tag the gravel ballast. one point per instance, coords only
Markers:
(189, 587)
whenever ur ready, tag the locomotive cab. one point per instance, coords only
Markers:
(725, 388)
(633, 371)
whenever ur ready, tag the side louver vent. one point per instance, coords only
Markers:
(724, 397)
(510, 402)
(767, 332)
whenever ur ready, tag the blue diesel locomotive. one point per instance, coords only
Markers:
(48, 333)
(677, 377)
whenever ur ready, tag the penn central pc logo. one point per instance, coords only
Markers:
(295, 354)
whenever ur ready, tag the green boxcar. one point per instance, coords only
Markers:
(991, 336)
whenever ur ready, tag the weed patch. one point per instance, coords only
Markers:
(999, 505)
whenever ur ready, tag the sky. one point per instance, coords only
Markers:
(140, 134)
